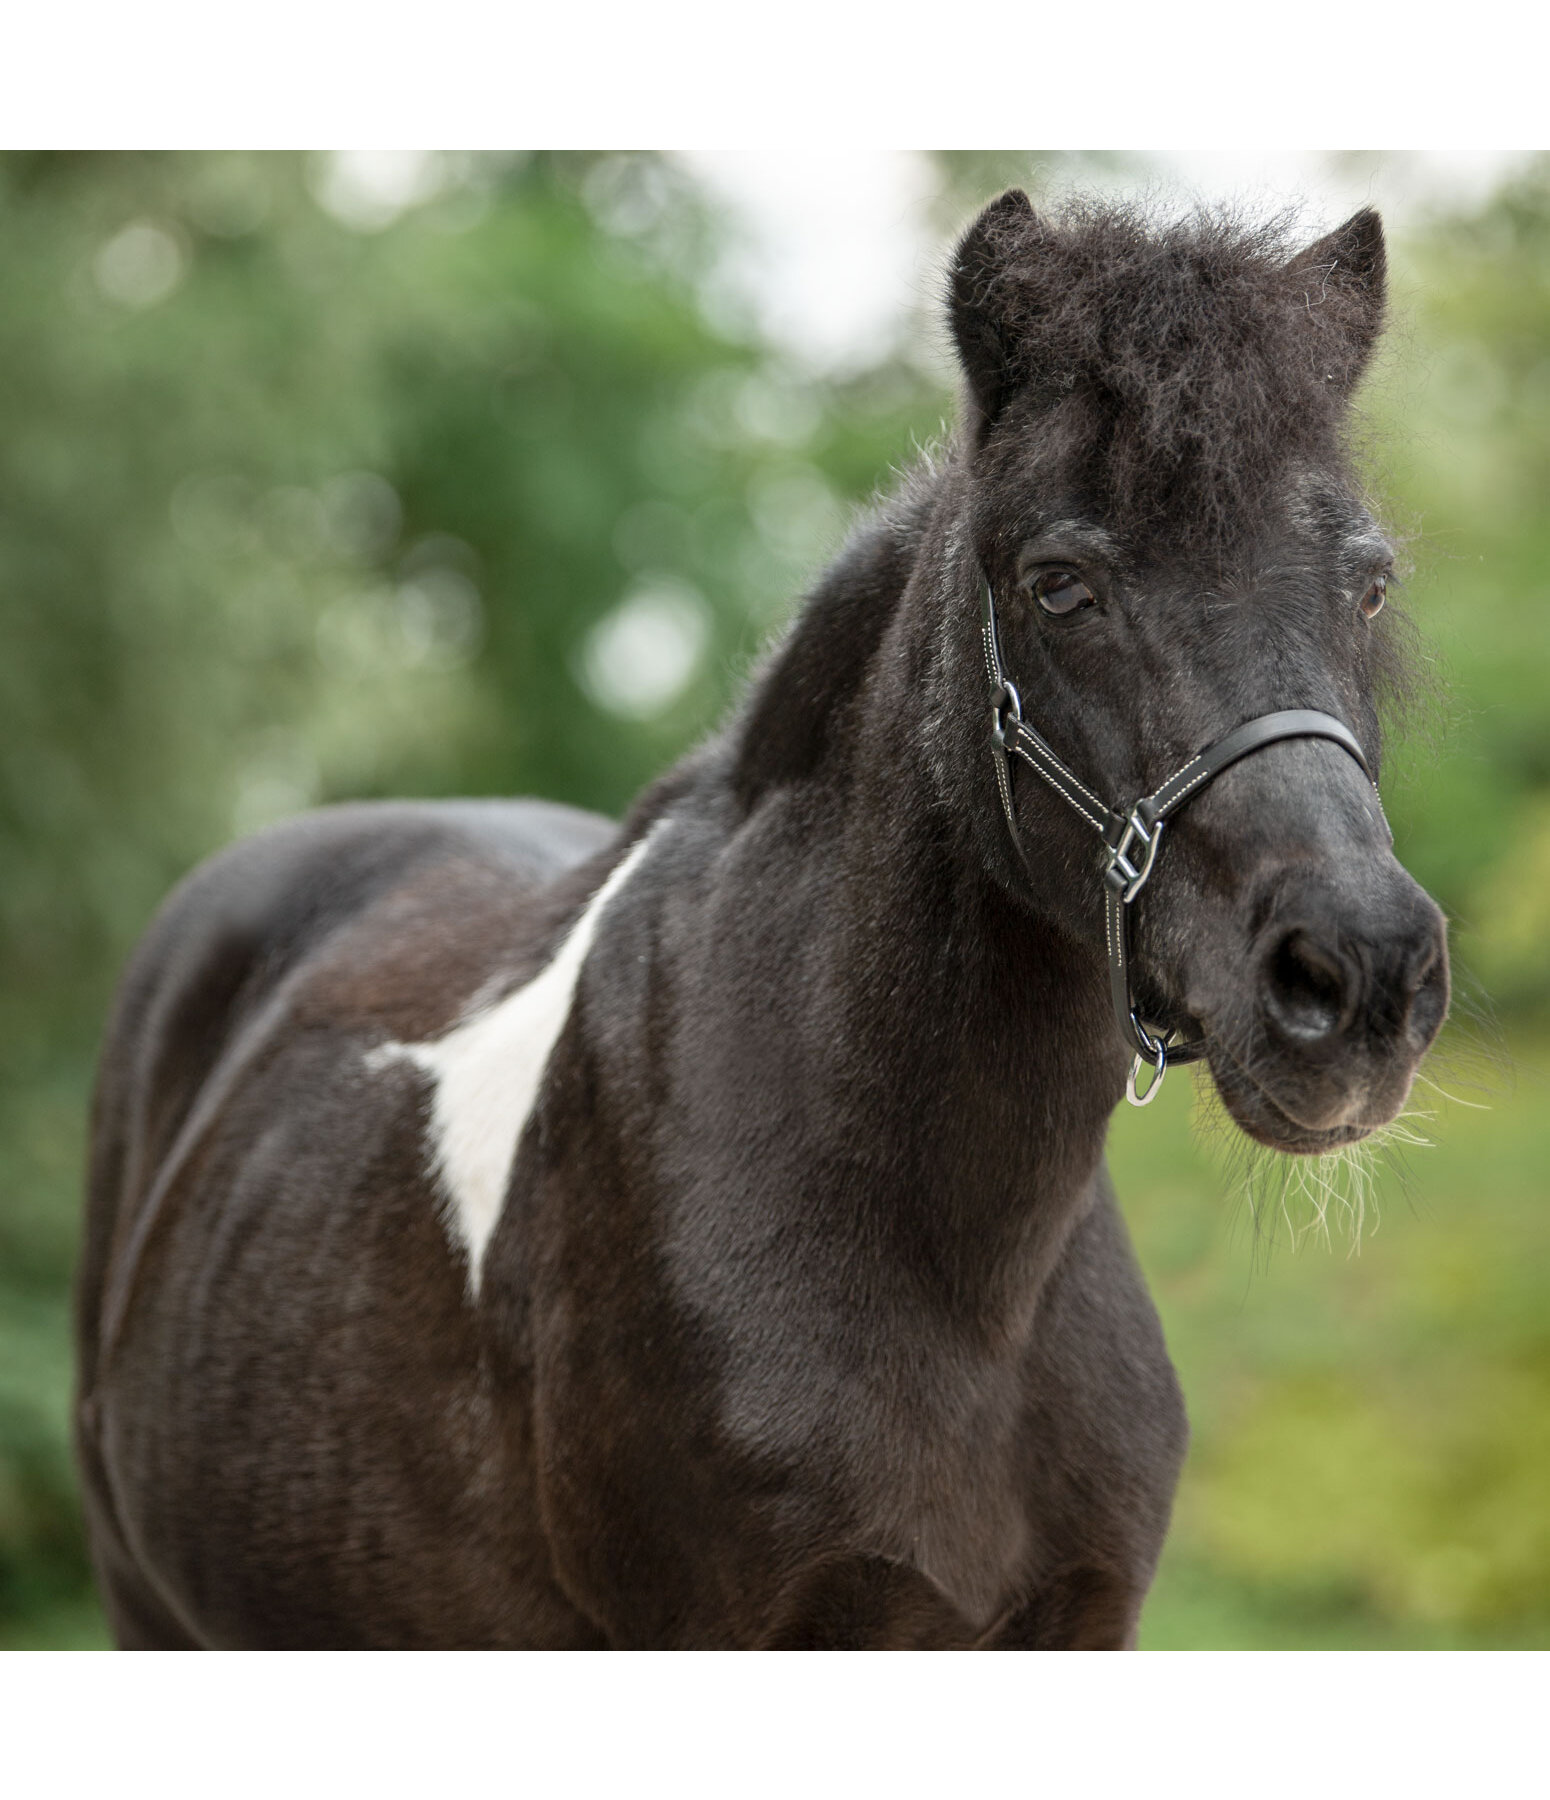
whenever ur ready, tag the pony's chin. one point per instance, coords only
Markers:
(1259, 1117)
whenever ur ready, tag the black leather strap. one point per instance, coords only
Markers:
(1269, 728)
(1131, 837)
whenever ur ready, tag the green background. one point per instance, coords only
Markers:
(500, 489)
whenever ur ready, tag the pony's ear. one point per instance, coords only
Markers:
(1344, 279)
(978, 301)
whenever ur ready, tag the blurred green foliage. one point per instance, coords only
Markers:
(492, 490)
(1371, 1414)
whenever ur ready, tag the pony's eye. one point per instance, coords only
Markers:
(1371, 602)
(1060, 592)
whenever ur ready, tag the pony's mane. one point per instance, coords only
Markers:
(1196, 357)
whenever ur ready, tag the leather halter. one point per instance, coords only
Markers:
(1130, 836)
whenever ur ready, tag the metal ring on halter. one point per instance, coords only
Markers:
(1161, 1066)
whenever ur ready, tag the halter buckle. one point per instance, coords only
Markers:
(1004, 705)
(1122, 873)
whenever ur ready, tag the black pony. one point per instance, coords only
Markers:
(507, 1228)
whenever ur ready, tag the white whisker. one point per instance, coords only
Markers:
(1312, 1194)
(1456, 1099)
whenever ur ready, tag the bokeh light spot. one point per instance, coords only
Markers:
(366, 190)
(139, 266)
(441, 618)
(361, 515)
(639, 658)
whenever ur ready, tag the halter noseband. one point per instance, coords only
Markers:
(1130, 838)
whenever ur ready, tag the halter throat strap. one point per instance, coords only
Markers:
(1130, 836)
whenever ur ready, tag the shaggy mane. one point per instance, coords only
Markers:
(1198, 357)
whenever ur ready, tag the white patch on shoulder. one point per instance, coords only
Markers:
(487, 1071)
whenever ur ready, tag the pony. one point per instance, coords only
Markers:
(507, 1227)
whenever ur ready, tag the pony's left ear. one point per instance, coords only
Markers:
(979, 304)
(1344, 280)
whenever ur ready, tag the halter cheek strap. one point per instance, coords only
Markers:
(1130, 837)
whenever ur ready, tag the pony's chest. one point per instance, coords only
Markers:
(922, 1464)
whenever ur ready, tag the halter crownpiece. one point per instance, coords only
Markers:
(1130, 837)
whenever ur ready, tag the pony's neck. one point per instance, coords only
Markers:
(966, 1035)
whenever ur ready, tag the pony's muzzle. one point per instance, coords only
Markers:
(1350, 991)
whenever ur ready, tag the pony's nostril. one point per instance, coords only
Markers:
(1429, 1005)
(1307, 986)
(1422, 968)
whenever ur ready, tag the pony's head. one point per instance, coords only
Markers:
(1160, 495)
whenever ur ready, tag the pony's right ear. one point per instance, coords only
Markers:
(979, 303)
(1344, 281)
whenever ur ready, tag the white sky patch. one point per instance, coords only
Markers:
(1403, 184)
(837, 245)
(366, 190)
(840, 255)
